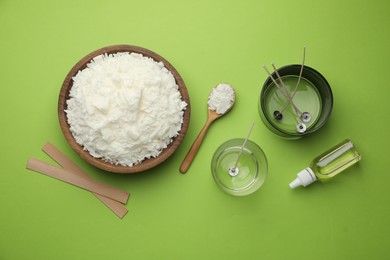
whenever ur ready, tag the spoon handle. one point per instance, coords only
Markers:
(195, 147)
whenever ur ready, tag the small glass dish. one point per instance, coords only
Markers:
(308, 109)
(251, 169)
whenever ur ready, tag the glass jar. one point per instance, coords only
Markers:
(251, 169)
(292, 110)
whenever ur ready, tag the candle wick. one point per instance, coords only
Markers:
(289, 99)
(299, 78)
(234, 169)
(286, 95)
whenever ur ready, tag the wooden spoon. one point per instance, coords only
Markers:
(212, 116)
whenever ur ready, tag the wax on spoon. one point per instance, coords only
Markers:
(221, 100)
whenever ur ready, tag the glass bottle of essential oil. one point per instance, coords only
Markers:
(328, 164)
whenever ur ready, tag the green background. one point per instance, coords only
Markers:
(175, 216)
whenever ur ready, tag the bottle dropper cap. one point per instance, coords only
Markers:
(304, 178)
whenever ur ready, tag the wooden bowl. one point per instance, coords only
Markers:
(99, 163)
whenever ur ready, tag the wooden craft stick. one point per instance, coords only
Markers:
(82, 182)
(118, 208)
(61, 159)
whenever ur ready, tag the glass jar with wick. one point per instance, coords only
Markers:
(295, 101)
(239, 166)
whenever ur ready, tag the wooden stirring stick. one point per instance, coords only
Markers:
(79, 181)
(118, 208)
